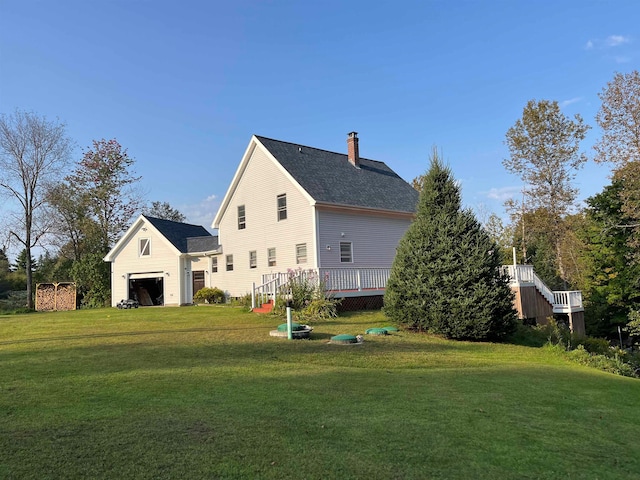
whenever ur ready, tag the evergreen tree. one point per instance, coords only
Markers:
(446, 276)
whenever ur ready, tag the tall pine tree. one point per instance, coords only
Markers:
(446, 277)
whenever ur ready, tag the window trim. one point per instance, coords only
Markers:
(253, 259)
(242, 219)
(271, 259)
(342, 257)
(144, 247)
(281, 209)
(229, 263)
(300, 259)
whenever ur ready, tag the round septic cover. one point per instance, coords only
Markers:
(294, 327)
(391, 329)
(376, 331)
(344, 338)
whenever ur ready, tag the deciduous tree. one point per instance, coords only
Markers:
(446, 275)
(165, 211)
(544, 148)
(33, 153)
(106, 181)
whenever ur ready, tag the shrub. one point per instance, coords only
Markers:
(615, 364)
(308, 296)
(243, 301)
(209, 295)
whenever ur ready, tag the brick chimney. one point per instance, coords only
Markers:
(353, 152)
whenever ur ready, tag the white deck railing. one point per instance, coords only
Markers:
(563, 301)
(335, 280)
(368, 279)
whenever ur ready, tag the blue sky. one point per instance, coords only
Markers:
(184, 85)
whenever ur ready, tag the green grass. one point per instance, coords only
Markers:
(205, 392)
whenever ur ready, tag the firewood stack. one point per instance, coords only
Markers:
(55, 296)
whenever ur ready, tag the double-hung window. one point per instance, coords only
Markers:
(214, 264)
(346, 252)
(282, 207)
(301, 253)
(271, 256)
(242, 219)
(229, 263)
(253, 259)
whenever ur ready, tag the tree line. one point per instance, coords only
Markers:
(592, 248)
(77, 209)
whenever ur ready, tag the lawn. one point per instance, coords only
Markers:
(205, 392)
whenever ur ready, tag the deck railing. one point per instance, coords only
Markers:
(334, 279)
(563, 301)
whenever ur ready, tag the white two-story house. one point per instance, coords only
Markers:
(289, 207)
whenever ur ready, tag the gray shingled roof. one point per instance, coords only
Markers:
(182, 234)
(329, 178)
(202, 244)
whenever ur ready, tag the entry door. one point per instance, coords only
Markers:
(198, 280)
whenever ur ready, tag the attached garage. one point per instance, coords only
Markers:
(147, 288)
(160, 262)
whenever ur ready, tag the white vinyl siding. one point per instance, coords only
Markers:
(258, 188)
(163, 259)
(374, 238)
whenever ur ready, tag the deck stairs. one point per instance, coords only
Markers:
(266, 307)
(562, 301)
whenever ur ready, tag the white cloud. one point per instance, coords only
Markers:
(566, 103)
(611, 41)
(503, 193)
(203, 212)
(615, 40)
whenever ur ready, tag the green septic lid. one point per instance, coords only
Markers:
(344, 338)
(376, 331)
(294, 327)
(391, 329)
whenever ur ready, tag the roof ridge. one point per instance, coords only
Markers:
(314, 148)
(148, 217)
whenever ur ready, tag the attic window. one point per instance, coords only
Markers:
(144, 247)
(282, 207)
(242, 224)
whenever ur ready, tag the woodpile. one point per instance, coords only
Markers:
(55, 296)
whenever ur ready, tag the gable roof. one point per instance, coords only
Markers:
(182, 235)
(329, 178)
